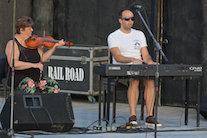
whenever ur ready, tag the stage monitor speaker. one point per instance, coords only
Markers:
(47, 112)
(203, 108)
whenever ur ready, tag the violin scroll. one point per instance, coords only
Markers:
(69, 43)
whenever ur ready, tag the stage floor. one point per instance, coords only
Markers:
(172, 119)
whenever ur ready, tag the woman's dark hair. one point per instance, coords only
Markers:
(22, 22)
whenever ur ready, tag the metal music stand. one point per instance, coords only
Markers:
(159, 48)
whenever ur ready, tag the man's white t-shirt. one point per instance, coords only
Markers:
(128, 44)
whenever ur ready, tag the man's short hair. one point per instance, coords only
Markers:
(121, 11)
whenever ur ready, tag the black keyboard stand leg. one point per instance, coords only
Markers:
(108, 101)
(114, 104)
(99, 99)
(104, 105)
(142, 105)
(198, 103)
(186, 101)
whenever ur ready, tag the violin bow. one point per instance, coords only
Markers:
(42, 47)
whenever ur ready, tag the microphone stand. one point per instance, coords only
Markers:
(159, 48)
(11, 130)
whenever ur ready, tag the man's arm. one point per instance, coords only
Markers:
(146, 57)
(122, 59)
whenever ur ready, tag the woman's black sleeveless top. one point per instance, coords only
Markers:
(26, 55)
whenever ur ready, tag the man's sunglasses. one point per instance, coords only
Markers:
(128, 18)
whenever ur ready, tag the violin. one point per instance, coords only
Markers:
(48, 42)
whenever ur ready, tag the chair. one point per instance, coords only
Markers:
(2, 74)
(114, 85)
(3, 77)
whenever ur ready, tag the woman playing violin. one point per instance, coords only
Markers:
(28, 62)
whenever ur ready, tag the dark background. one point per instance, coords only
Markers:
(179, 26)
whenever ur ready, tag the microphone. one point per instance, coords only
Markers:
(135, 6)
